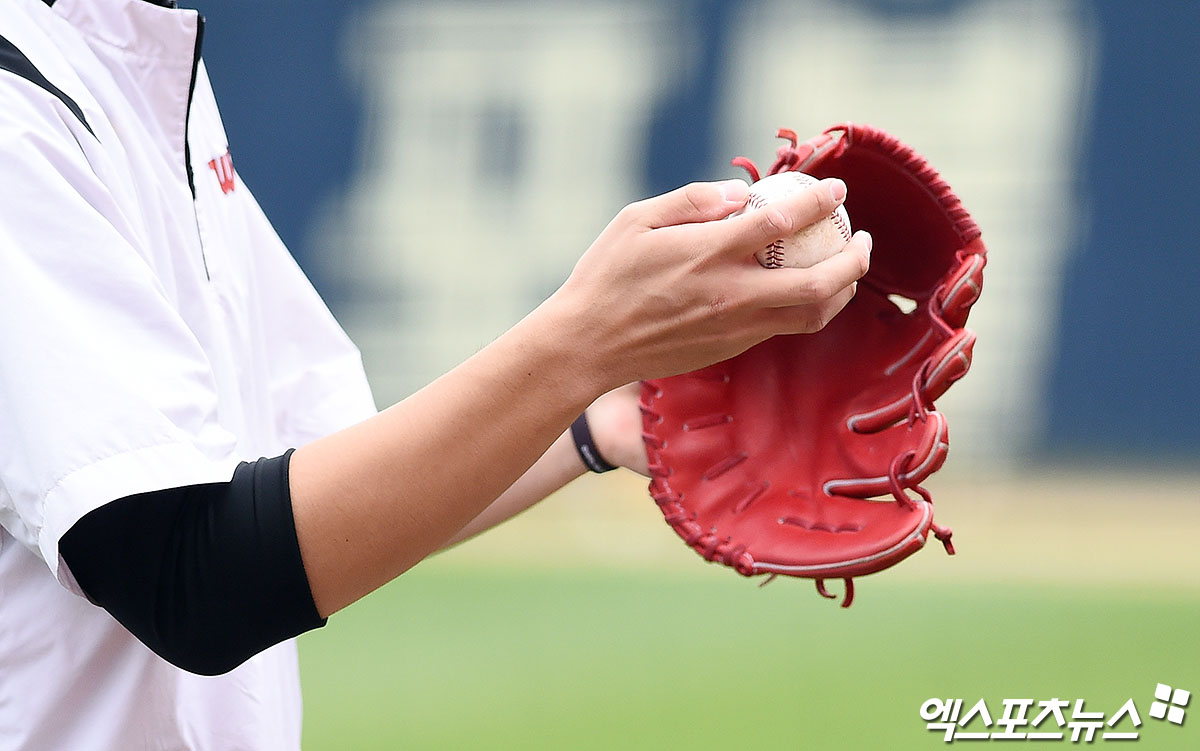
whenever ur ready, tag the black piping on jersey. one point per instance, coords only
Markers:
(163, 3)
(40, 80)
(187, 148)
(14, 61)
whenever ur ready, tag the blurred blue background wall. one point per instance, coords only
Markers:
(1121, 374)
(1127, 371)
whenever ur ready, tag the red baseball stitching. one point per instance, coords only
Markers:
(841, 225)
(774, 255)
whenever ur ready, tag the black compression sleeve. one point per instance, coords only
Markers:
(205, 575)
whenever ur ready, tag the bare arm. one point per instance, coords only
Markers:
(557, 467)
(616, 428)
(664, 289)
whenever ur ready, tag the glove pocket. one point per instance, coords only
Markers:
(835, 537)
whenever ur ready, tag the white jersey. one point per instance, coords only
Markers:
(153, 333)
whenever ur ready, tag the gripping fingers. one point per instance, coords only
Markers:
(808, 319)
(750, 232)
(696, 202)
(782, 288)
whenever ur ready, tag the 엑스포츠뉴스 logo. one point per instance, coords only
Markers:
(1170, 704)
(1049, 719)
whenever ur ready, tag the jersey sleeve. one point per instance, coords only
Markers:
(316, 379)
(104, 390)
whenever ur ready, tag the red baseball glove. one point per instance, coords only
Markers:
(804, 455)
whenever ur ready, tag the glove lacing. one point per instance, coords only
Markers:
(710, 545)
(791, 157)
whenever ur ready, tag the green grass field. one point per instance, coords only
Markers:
(450, 657)
(586, 624)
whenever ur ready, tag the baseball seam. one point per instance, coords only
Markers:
(840, 223)
(773, 255)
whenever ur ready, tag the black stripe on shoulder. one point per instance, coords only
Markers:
(14, 61)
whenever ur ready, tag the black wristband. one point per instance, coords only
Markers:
(586, 446)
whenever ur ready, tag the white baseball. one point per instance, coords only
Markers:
(809, 246)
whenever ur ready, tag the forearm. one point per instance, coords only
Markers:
(557, 467)
(616, 434)
(374, 499)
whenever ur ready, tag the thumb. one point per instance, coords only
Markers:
(695, 202)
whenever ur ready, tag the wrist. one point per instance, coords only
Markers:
(586, 339)
(615, 420)
(586, 447)
(572, 368)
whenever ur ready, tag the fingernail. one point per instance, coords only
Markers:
(870, 240)
(837, 189)
(734, 191)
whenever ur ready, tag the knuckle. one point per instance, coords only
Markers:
(817, 287)
(630, 212)
(732, 297)
(776, 221)
(718, 305)
(697, 194)
(806, 324)
(824, 203)
(820, 319)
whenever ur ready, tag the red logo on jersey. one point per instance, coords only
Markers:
(223, 166)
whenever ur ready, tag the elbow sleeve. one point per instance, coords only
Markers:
(206, 576)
